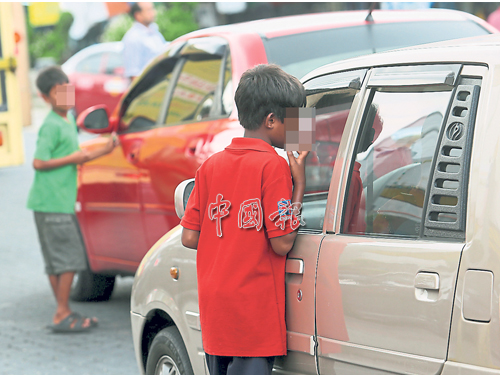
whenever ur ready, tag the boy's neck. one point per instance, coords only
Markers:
(257, 134)
(60, 112)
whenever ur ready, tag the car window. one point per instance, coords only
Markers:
(143, 106)
(114, 62)
(326, 46)
(332, 97)
(392, 164)
(195, 90)
(91, 64)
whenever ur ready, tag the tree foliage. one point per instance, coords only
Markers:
(50, 41)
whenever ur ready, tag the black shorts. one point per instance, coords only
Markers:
(219, 365)
(61, 242)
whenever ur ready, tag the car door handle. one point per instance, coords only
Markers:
(133, 156)
(427, 280)
(295, 266)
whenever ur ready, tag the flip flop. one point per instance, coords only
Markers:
(93, 321)
(72, 323)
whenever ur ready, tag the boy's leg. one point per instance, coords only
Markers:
(63, 288)
(54, 281)
(217, 365)
(251, 366)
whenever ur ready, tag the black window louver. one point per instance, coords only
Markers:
(446, 207)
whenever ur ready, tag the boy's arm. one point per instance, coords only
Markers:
(190, 238)
(77, 157)
(283, 244)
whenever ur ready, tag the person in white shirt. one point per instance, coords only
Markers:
(143, 41)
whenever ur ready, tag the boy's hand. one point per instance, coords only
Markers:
(298, 167)
(113, 141)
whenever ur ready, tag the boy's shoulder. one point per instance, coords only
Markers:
(54, 121)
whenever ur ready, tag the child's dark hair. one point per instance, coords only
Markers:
(49, 77)
(266, 89)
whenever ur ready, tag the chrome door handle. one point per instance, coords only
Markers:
(427, 280)
(294, 266)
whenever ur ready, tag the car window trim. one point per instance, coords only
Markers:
(353, 79)
(415, 76)
(165, 105)
(425, 233)
(182, 60)
(217, 107)
(342, 80)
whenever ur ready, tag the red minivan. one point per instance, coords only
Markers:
(180, 110)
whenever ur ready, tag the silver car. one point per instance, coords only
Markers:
(393, 272)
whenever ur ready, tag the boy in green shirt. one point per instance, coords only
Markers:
(53, 195)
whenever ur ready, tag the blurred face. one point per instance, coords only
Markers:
(61, 97)
(300, 127)
(147, 15)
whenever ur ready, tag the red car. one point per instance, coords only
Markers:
(180, 110)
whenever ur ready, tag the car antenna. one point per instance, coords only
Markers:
(369, 17)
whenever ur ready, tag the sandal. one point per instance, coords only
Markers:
(72, 323)
(93, 321)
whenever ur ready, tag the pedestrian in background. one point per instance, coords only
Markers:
(229, 219)
(143, 41)
(53, 195)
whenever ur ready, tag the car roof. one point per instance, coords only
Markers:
(465, 50)
(280, 26)
(71, 63)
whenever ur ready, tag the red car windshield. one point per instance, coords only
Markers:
(298, 54)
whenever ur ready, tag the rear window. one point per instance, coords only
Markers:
(300, 53)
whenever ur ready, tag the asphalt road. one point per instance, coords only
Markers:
(27, 347)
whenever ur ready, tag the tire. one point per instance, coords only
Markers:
(168, 355)
(89, 286)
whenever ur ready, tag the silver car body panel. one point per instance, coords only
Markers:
(381, 305)
(155, 290)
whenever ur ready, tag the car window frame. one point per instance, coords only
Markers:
(349, 79)
(183, 58)
(141, 87)
(335, 226)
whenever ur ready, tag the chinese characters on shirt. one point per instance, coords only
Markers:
(250, 214)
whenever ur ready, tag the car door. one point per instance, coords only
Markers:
(110, 185)
(177, 146)
(387, 267)
(332, 97)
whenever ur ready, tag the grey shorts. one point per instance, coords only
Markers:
(61, 242)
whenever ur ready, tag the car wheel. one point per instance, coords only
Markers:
(168, 355)
(89, 286)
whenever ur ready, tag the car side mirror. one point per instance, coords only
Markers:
(181, 196)
(95, 120)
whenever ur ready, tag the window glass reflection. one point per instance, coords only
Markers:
(393, 162)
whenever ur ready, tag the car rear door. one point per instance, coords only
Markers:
(386, 279)
(332, 97)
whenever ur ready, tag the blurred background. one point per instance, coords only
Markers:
(56, 31)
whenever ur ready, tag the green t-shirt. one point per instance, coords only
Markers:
(55, 190)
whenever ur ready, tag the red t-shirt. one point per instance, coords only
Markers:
(235, 205)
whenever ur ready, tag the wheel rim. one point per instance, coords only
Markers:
(166, 366)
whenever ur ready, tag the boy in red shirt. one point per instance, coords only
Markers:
(239, 218)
